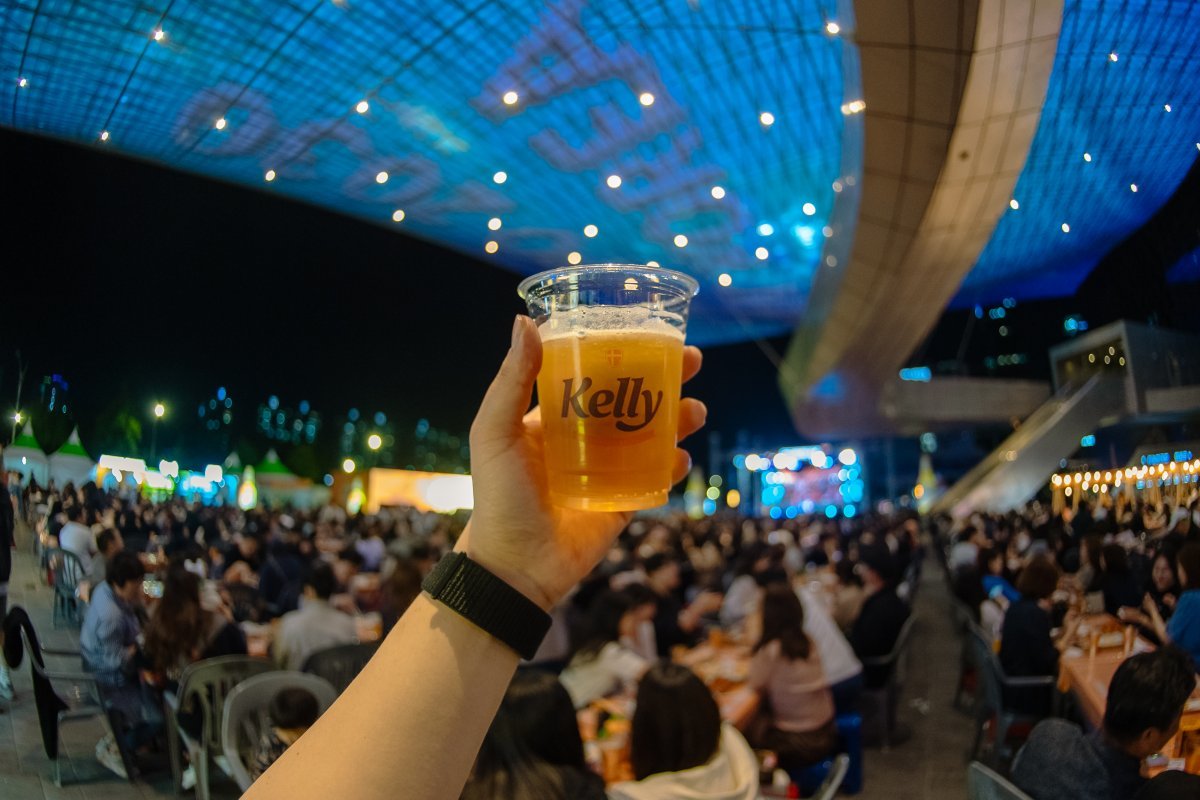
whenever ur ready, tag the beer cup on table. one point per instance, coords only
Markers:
(612, 360)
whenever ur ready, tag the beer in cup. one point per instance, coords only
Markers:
(612, 359)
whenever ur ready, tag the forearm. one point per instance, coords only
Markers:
(411, 724)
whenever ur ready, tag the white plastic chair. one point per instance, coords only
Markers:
(984, 783)
(245, 718)
(833, 782)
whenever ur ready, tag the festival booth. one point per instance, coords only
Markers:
(442, 492)
(71, 463)
(277, 486)
(25, 456)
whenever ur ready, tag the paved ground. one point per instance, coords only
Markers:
(930, 765)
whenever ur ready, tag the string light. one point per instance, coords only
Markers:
(159, 34)
(652, 264)
(614, 181)
(573, 257)
(270, 176)
(766, 229)
(832, 28)
(767, 119)
(725, 279)
(104, 136)
(398, 215)
(494, 224)
(362, 107)
(590, 231)
(381, 178)
(718, 192)
(1013, 204)
(1167, 108)
(831, 261)
(491, 247)
(761, 253)
(837, 186)
(220, 124)
(827, 232)
(1087, 157)
(1133, 188)
(646, 99)
(854, 107)
(510, 98)
(23, 82)
(500, 177)
(1066, 228)
(1113, 57)
(681, 240)
(809, 209)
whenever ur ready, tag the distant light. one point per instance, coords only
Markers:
(832, 28)
(854, 107)
(159, 410)
(270, 176)
(766, 229)
(104, 136)
(1113, 57)
(733, 498)
(510, 98)
(725, 279)
(221, 123)
(837, 186)
(1013, 204)
(381, 177)
(766, 118)
(614, 181)
(917, 374)
(652, 264)
(590, 231)
(18, 417)
(1121, 361)
(718, 192)
(809, 209)
(1133, 187)
(159, 34)
(494, 224)
(1091, 358)
(1066, 228)
(631, 284)
(831, 261)
(1088, 441)
(348, 466)
(491, 246)
(712, 493)
(398, 215)
(1167, 108)
(827, 232)
(1087, 157)
(374, 441)
(761, 253)
(680, 240)
(573, 257)
(362, 107)
(646, 99)
(22, 82)
(848, 457)
(500, 177)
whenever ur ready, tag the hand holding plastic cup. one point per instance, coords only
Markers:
(609, 387)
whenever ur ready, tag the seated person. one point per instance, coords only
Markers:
(108, 642)
(1144, 707)
(849, 595)
(991, 567)
(602, 662)
(786, 668)
(108, 544)
(680, 749)
(533, 748)
(315, 626)
(1119, 584)
(77, 539)
(1026, 646)
(1184, 628)
(292, 712)
(188, 625)
(883, 614)
(674, 624)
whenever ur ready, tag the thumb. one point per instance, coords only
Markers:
(507, 399)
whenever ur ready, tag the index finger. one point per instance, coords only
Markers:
(692, 359)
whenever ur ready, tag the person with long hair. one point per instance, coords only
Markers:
(602, 663)
(182, 630)
(532, 750)
(786, 670)
(679, 748)
(1183, 629)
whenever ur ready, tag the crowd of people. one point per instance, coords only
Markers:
(1030, 578)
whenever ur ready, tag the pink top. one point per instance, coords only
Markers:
(797, 690)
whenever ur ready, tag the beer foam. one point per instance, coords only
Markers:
(585, 320)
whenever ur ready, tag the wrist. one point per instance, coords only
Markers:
(515, 577)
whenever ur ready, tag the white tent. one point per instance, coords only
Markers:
(71, 463)
(26, 457)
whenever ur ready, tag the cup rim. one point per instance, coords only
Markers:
(688, 285)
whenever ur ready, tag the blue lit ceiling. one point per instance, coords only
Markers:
(1125, 91)
(393, 110)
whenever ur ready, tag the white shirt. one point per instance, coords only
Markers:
(78, 539)
(731, 774)
(837, 656)
(590, 679)
(313, 627)
(741, 601)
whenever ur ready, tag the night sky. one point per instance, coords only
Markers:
(138, 282)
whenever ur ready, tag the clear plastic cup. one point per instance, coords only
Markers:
(612, 359)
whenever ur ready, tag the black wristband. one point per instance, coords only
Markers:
(491, 604)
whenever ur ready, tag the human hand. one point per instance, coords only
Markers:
(515, 532)
(1169, 601)
(708, 602)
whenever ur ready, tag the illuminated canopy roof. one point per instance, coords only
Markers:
(507, 129)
